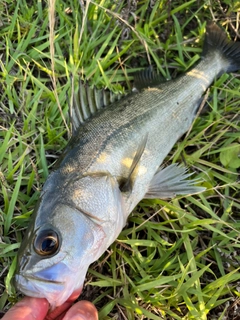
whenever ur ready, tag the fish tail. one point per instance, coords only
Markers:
(216, 40)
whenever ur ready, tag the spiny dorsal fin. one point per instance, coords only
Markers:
(147, 78)
(170, 181)
(127, 184)
(87, 102)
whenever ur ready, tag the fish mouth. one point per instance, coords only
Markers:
(43, 282)
(38, 279)
(37, 287)
(33, 285)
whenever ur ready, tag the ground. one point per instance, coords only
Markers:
(176, 259)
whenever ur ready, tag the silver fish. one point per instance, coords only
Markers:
(110, 164)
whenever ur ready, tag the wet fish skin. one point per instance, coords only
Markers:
(83, 202)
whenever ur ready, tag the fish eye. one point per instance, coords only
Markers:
(46, 243)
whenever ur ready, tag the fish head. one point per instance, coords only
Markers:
(53, 258)
(67, 233)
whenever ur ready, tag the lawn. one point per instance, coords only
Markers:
(175, 259)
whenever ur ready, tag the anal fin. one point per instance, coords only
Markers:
(170, 181)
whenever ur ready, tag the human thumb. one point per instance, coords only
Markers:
(82, 310)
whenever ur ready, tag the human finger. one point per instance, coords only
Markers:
(82, 310)
(28, 309)
(59, 312)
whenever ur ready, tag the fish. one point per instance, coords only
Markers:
(112, 161)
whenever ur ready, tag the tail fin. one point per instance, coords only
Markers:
(216, 39)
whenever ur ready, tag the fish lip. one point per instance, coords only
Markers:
(32, 277)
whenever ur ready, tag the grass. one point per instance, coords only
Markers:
(175, 259)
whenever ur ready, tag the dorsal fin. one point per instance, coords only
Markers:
(147, 78)
(88, 101)
(126, 185)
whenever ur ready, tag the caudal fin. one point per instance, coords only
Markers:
(216, 40)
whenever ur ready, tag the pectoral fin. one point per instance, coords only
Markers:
(170, 181)
(126, 184)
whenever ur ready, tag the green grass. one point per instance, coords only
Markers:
(175, 259)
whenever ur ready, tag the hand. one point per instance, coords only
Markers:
(37, 309)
